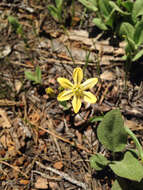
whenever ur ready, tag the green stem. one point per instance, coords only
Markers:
(138, 145)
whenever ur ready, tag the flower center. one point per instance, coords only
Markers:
(77, 90)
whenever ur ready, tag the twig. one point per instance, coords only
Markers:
(47, 176)
(5, 102)
(63, 175)
(29, 9)
(104, 93)
(50, 126)
(65, 140)
(15, 168)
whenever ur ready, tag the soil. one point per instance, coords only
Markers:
(39, 137)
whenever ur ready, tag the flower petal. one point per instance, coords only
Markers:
(65, 95)
(89, 83)
(77, 75)
(65, 83)
(76, 103)
(89, 97)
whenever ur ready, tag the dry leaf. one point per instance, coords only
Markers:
(53, 185)
(3, 141)
(107, 75)
(12, 151)
(79, 137)
(41, 183)
(4, 121)
(58, 165)
(24, 181)
(131, 124)
(4, 51)
(18, 85)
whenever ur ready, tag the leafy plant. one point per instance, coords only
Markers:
(17, 27)
(125, 18)
(34, 76)
(112, 134)
(133, 35)
(56, 11)
(108, 12)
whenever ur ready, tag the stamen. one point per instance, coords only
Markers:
(77, 90)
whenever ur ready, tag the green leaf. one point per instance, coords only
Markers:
(138, 34)
(14, 22)
(90, 4)
(129, 167)
(110, 19)
(98, 162)
(124, 184)
(137, 9)
(128, 5)
(131, 46)
(34, 76)
(38, 74)
(105, 7)
(124, 58)
(19, 30)
(116, 186)
(113, 5)
(96, 118)
(30, 75)
(53, 11)
(138, 55)
(100, 24)
(126, 29)
(59, 3)
(65, 105)
(111, 131)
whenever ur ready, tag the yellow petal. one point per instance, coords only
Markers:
(76, 103)
(89, 97)
(77, 75)
(65, 95)
(89, 83)
(65, 83)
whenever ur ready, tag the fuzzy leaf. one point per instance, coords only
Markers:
(98, 162)
(111, 131)
(129, 167)
(116, 186)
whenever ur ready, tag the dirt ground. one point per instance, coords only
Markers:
(42, 144)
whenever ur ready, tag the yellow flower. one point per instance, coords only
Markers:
(77, 90)
(50, 92)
